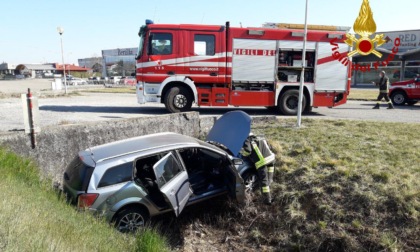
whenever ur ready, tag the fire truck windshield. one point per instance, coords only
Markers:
(142, 34)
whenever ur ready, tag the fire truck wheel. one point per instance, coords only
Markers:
(178, 99)
(288, 102)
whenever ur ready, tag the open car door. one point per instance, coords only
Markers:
(173, 182)
(236, 184)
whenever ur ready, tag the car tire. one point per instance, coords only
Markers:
(178, 99)
(251, 181)
(399, 98)
(411, 103)
(288, 102)
(130, 219)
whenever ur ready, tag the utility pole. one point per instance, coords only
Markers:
(61, 31)
(302, 74)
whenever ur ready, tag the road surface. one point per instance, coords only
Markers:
(90, 107)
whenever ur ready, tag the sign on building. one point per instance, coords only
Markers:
(120, 52)
(410, 40)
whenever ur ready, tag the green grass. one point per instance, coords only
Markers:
(33, 217)
(347, 179)
(363, 94)
(149, 240)
(338, 186)
(119, 90)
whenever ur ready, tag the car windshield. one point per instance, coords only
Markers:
(142, 33)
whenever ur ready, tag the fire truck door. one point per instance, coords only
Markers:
(162, 51)
(206, 61)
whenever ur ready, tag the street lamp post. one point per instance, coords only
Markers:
(60, 31)
(302, 74)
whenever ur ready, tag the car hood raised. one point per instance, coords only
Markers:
(231, 130)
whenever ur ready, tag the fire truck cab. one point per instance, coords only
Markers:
(405, 92)
(213, 65)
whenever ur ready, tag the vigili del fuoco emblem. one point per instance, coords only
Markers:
(364, 26)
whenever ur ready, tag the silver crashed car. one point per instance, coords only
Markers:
(131, 180)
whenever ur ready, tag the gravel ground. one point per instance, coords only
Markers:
(90, 107)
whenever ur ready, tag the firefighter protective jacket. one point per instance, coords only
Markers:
(257, 149)
(384, 84)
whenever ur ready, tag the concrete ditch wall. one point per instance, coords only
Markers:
(57, 145)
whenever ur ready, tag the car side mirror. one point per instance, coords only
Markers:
(238, 161)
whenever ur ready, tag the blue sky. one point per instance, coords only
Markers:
(29, 35)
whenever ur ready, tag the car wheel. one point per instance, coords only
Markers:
(411, 103)
(130, 219)
(178, 99)
(251, 181)
(398, 98)
(288, 102)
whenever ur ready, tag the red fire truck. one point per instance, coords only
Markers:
(210, 65)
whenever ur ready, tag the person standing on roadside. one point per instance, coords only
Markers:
(383, 90)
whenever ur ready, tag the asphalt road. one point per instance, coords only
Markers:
(90, 107)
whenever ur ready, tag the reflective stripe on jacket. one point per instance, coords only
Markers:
(261, 154)
(265, 189)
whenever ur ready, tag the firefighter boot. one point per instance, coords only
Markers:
(376, 106)
(270, 174)
(267, 199)
(266, 194)
(390, 106)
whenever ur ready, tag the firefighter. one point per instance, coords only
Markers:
(257, 149)
(383, 90)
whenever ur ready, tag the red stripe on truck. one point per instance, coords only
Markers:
(330, 58)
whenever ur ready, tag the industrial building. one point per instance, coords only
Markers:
(47, 70)
(114, 62)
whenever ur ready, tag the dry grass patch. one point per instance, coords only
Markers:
(363, 94)
(348, 181)
(118, 90)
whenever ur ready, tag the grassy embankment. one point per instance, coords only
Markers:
(345, 185)
(339, 186)
(33, 217)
